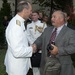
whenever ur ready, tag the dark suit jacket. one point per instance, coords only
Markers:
(65, 42)
(71, 26)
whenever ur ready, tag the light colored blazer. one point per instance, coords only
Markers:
(17, 59)
(65, 42)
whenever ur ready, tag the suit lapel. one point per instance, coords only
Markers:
(61, 34)
(49, 34)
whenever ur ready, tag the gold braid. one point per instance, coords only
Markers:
(39, 28)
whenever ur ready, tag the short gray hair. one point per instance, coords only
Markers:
(21, 5)
(61, 12)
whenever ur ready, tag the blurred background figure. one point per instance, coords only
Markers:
(5, 21)
(45, 19)
(28, 21)
(41, 14)
(67, 19)
(34, 30)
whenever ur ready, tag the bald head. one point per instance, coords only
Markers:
(24, 9)
(21, 5)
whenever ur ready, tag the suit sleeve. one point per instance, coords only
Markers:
(39, 41)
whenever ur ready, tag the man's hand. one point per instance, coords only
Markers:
(54, 51)
(34, 48)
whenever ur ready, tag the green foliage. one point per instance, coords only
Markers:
(56, 4)
(5, 1)
(2, 36)
(2, 67)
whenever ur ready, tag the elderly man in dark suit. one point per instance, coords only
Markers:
(64, 43)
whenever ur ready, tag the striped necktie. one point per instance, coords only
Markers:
(52, 38)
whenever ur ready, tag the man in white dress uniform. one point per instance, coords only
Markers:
(34, 30)
(17, 59)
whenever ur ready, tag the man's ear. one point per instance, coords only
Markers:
(68, 17)
(25, 10)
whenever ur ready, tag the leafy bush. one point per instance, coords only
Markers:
(2, 35)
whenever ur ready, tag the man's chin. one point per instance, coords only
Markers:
(26, 18)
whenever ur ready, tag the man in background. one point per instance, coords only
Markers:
(34, 30)
(45, 19)
(67, 18)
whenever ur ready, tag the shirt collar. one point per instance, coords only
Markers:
(38, 21)
(66, 23)
(59, 28)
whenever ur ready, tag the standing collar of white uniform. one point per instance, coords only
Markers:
(20, 18)
(38, 21)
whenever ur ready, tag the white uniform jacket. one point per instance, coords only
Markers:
(34, 30)
(17, 59)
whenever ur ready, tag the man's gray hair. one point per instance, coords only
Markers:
(21, 5)
(61, 12)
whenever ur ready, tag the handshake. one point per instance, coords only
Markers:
(34, 48)
(51, 48)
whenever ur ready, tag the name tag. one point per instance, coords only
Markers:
(31, 28)
(24, 30)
